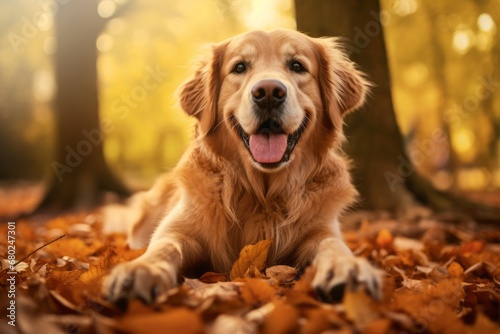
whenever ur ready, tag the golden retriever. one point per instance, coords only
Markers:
(265, 163)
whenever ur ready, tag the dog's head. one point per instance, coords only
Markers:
(275, 94)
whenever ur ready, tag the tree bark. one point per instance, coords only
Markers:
(79, 173)
(374, 141)
(383, 173)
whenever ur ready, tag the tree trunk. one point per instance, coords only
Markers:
(383, 173)
(374, 141)
(79, 173)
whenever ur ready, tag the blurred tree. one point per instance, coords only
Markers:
(80, 173)
(383, 173)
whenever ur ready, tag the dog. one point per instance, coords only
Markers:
(265, 163)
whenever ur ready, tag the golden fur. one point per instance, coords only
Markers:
(219, 199)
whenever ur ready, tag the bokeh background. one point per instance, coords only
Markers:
(444, 59)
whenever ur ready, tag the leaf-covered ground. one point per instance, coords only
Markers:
(442, 275)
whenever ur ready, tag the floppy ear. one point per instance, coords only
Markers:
(343, 86)
(199, 95)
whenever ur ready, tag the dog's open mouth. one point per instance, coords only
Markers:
(270, 145)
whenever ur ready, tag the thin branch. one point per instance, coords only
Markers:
(36, 250)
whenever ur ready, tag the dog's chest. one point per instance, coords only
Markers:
(256, 221)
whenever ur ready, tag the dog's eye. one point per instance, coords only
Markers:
(297, 67)
(239, 68)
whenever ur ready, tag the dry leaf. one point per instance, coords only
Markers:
(305, 283)
(256, 317)
(425, 289)
(96, 272)
(359, 308)
(384, 239)
(282, 320)
(73, 248)
(475, 246)
(482, 265)
(455, 270)
(484, 325)
(210, 277)
(320, 320)
(251, 255)
(282, 275)
(253, 272)
(179, 320)
(257, 291)
(221, 290)
(63, 301)
(231, 324)
(402, 243)
(379, 326)
(300, 299)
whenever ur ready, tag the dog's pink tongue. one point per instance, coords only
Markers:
(268, 148)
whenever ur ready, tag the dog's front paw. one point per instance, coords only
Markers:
(333, 277)
(139, 279)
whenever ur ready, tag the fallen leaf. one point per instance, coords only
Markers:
(359, 308)
(384, 239)
(21, 266)
(226, 323)
(63, 301)
(402, 243)
(256, 317)
(455, 270)
(253, 272)
(305, 283)
(250, 255)
(320, 320)
(300, 299)
(379, 326)
(257, 291)
(74, 248)
(96, 272)
(179, 320)
(484, 325)
(282, 319)
(210, 277)
(282, 275)
(475, 246)
(482, 265)
(221, 290)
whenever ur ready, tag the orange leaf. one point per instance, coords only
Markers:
(359, 307)
(320, 320)
(96, 272)
(379, 326)
(282, 274)
(384, 238)
(305, 282)
(283, 319)
(74, 248)
(455, 269)
(63, 277)
(250, 255)
(257, 291)
(253, 272)
(179, 320)
(210, 277)
(475, 246)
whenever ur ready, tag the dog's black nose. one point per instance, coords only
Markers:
(269, 94)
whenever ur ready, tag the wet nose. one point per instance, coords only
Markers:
(269, 94)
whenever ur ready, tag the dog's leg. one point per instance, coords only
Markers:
(156, 271)
(337, 267)
(146, 277)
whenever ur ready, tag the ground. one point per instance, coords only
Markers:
(441, 275)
